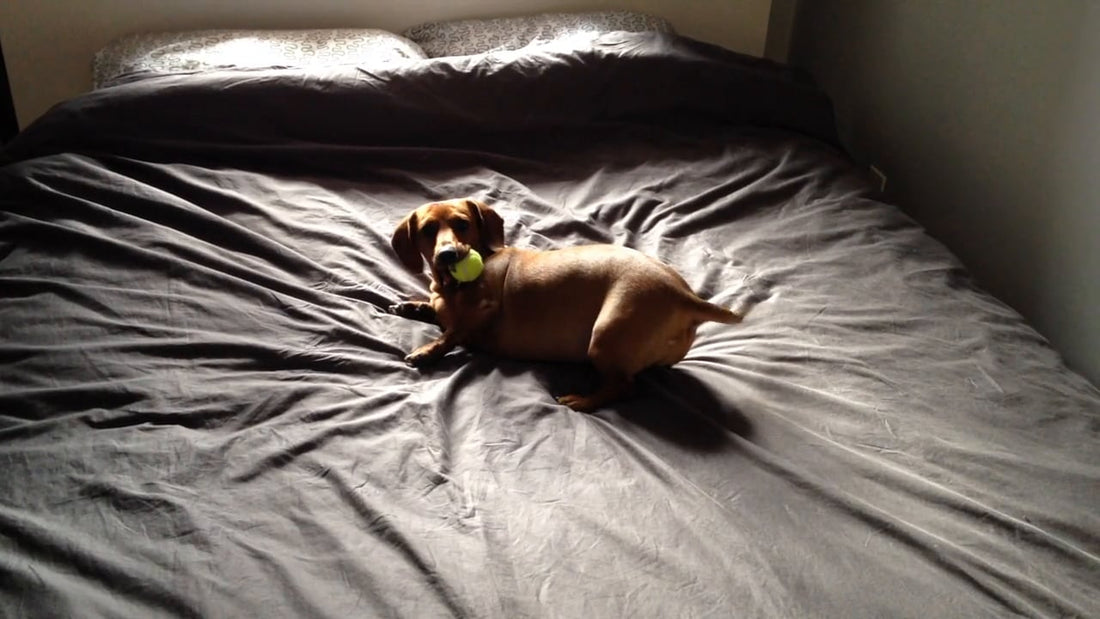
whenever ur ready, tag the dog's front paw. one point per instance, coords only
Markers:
(414, 310)
(579, 403)
(404, 309)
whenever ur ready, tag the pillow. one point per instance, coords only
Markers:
(148, 54)
(478, 36)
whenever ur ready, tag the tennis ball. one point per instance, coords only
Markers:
(469, 268)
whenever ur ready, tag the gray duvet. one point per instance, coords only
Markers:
(204, 409)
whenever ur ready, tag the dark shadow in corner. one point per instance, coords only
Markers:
(9, 127)
(669, 403)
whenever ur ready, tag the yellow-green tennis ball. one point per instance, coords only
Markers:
(469, 268)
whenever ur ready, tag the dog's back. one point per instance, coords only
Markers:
(551, 302)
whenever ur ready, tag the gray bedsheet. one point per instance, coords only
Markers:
(204, 410)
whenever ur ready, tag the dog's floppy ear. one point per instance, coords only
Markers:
(490, 225)
(404, 244)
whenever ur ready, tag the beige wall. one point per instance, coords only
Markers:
(48, 44)
(985, 114)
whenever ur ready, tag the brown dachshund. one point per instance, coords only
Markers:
(612, 306)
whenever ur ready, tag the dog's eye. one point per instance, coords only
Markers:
(429, 229)
(460, 225)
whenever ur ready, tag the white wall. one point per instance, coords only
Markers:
(985, 114)
(48, 44)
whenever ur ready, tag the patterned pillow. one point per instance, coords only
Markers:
(144, 55)
(477, 36)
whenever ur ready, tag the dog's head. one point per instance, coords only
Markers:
(442, 233)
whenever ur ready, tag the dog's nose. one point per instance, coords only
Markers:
(447, 256)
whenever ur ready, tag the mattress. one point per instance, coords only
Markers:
(204, 409)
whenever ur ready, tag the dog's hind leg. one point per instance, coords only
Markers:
(611, 388)
(612, 351)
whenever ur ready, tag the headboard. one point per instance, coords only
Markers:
(49, 45)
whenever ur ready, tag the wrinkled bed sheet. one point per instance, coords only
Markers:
(204, 409)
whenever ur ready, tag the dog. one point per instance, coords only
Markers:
(612, 306)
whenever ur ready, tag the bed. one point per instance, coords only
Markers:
(204, 409)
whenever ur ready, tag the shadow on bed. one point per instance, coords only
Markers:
(670, 403)
(675, 405)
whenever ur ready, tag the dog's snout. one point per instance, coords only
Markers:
(447, 255)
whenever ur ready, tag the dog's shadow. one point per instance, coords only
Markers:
(670, 403)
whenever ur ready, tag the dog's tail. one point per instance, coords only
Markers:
(707, 311)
